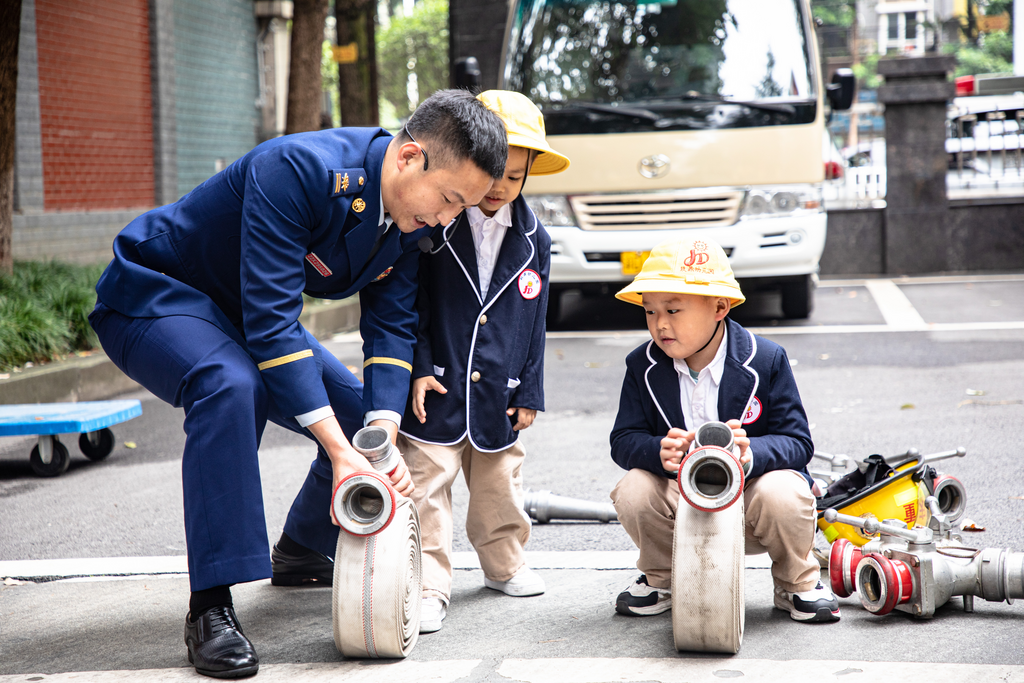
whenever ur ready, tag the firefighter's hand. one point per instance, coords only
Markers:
(673, 447)
(420, 387)
(739, 437)
(401, 480)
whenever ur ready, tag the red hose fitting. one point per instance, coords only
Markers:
(364, 503)
(883, 583)
(710, 478)
(843, 560)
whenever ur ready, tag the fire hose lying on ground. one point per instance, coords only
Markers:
(918, 570)
(378, 582)
(708, 545)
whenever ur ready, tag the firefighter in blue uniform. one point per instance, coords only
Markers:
(201, 304)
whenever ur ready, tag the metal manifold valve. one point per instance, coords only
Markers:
(708, 546)
(918, 570)
(878, 489)
(378, 581)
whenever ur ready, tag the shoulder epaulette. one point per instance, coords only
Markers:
(347, 181)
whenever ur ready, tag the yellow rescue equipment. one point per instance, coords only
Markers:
(880, 491)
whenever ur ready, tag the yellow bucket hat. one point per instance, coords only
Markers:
(525, 125)
(688, 266)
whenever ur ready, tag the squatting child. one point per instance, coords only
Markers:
(702, 366)
(478, 369)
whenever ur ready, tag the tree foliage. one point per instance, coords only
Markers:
(415, 44)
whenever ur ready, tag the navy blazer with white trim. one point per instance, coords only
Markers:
(755, 368)
(501, 336)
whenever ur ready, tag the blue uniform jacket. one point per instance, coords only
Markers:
(757, 388)
(296, 214)
(501, 337)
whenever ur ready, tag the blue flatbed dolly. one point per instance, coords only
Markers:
(90, 419)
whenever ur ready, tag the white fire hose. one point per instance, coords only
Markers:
(378, 581)
(708, 546)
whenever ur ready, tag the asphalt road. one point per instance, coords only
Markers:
(874, 377)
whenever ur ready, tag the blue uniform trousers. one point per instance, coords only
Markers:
(193, 364)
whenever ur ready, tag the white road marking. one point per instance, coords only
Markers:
(710, 669)
(113, 568)
(813, 329)
(894, 305)
(713, 670)
(404, 671)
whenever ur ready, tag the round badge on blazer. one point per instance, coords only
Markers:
(358, 205)
(529, 284)
(753, 412)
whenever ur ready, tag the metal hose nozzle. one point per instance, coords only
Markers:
(374, 443)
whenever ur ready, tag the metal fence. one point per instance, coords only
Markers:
(984, 150)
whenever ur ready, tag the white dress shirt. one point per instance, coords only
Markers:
(488, 233)
(699, 398)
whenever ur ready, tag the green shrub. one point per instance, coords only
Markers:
(44, 309)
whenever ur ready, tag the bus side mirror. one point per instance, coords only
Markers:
(466, 74)
(840, 91)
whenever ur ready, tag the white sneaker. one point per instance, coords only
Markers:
(641, 599)
(432, 613)
(525, 582)
(818, 604)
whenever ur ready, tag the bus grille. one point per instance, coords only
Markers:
(656, 210)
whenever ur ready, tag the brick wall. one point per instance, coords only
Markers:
(95, 104)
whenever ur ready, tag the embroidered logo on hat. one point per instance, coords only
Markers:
(753, 412)
(529, 284)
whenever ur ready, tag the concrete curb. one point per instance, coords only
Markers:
(95, 377)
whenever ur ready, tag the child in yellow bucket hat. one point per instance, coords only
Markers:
(478, 369)
(701, 366)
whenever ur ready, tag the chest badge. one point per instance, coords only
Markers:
(753, 412)
(384, 274)
(358, 205)
(529, 284)
(320, 266)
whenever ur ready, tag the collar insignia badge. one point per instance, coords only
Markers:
(358, 205)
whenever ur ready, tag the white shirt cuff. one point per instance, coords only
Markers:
(314, 416)
(389, 415)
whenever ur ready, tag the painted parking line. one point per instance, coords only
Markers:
(112, 568)
(894, 306)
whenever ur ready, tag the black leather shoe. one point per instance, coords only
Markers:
(217, 647)
(311, 569)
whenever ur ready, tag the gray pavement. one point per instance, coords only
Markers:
(878, 391)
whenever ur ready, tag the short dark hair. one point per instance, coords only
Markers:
(460, 127)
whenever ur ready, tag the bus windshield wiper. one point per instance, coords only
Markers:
(719, 99)
(627, 112)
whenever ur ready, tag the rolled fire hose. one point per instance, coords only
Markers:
(378, 580)
(708, 546)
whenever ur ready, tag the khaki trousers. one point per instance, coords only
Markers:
(496, 523)
(780, 519)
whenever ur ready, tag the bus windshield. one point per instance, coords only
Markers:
(600, 66)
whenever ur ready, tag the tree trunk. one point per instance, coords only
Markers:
(305, 86)
(357, 83)
(10, 30)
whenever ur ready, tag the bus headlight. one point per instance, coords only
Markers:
(791, 200)
(552, 210)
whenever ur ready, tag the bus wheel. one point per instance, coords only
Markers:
(798, 298)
